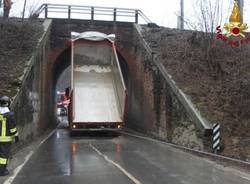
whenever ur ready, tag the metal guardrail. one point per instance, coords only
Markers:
(50, 10)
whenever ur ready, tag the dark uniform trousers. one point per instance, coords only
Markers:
(7, 6)
(7, 132)
(6, 12)
(4, 155)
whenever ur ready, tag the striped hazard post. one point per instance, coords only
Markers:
(216, 137)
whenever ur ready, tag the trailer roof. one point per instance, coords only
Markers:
(92, 36)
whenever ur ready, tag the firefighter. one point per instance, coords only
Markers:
(8, 133)
(7, 6)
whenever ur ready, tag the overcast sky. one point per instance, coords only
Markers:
(163, 12)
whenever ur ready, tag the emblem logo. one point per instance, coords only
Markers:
(235, 29)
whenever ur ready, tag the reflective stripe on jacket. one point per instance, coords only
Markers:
(3, 161)
(7, 127)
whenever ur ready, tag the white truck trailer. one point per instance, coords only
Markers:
(98, 96)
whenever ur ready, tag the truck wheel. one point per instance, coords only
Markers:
(114, 133)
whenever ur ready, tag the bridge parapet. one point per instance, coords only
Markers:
(91, 13)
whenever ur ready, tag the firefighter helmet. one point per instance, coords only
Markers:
(4, 101)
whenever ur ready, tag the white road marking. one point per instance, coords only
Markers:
(245, 177)
(18, 169)
(10, 179)
(130, 176)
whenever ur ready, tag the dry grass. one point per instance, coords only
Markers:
(216, 76)
(17, 42)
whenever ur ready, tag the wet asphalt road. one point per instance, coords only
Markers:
(100, 158)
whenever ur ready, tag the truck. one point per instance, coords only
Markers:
(98, 95)
(62, 103)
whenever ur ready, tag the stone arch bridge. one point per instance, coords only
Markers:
(156, 106)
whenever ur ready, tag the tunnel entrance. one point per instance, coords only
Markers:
(61, 81)
(61, 74)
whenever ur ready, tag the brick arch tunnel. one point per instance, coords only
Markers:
(61, 63)
(135, 63)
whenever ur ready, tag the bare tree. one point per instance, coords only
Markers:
(33, 6)
(29, 7)
(210, 15)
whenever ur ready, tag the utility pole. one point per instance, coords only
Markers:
(241, 5)
(182, 14)
(180, 22)
(24, 8)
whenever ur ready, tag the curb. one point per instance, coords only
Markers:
(219, 159)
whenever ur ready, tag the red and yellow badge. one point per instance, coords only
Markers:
(234, 29)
